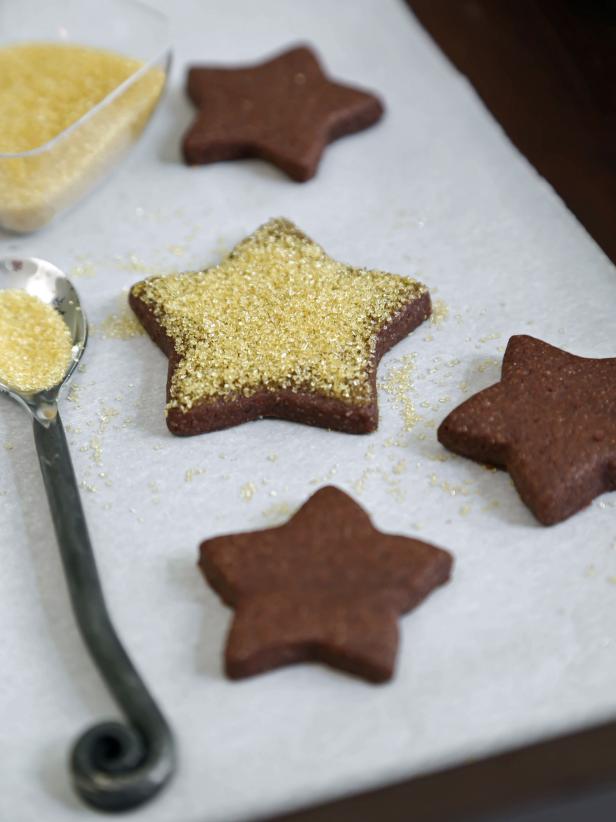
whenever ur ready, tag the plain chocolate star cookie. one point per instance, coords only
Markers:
(278, 329)
(550, 421)
(284, 110)
(326, 586)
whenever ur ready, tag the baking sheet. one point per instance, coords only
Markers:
(519, 645)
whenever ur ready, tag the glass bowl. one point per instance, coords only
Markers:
(38, 184)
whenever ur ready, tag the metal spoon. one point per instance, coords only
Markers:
(115, 766)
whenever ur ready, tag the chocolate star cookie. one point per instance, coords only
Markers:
(284, 110)
(326, 586)
(278, 329)
(550, 421)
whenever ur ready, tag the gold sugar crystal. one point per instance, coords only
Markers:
(277, 314)
(35, 343)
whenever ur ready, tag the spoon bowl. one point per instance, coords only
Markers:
(41, 279)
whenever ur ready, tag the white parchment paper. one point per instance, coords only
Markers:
(519, 645)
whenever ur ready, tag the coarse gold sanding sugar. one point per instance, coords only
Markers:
(35, 342)
(45, 88)
(278, 313)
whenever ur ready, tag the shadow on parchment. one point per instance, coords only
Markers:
(209, 648)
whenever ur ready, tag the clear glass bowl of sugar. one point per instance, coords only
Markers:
(80, 80)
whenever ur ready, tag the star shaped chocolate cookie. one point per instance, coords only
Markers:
(326, 586)
(550, 421)
(284, 110)
(278, 329)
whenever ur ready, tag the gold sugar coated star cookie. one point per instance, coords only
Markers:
(278, 329)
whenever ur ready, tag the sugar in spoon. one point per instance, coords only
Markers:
(115, 766)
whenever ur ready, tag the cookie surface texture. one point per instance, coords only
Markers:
(326, 586)
(550, 421)
(284, 110)
(278, 329)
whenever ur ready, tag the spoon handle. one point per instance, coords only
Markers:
(115, 766)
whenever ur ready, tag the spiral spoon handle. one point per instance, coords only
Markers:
(115, 766)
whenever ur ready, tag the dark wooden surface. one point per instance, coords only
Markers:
(547, 71)
(568, 778)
